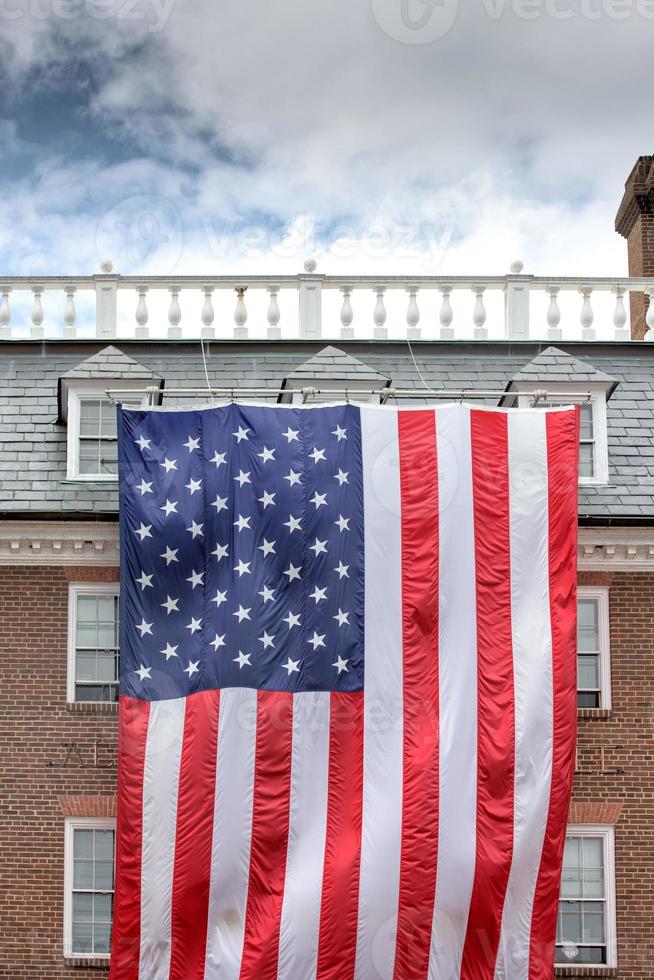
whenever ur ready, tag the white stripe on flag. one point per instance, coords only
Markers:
(163, 753)
(383, 731)
(532, 666)
(458, 694)
(232, 828)
(298, 941)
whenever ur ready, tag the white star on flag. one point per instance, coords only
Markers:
(293, 478)
(144, 627)
(196, 530)
(342, 618)
(220, 503)
(144, 487)
(143, 672)
(194, 625)
(339, 433)
(192, 444)
(170, 554)
(144, 531)
(145, 581)
(193, 485)
(170, 507)
(169, 464)
(267, 640)
(241, 434)
(268, 547)
(243, 568)
(340, 665)
(293, 619)
(317, 640)
(218, 641)
(293, 572)
(169, 651)
(242, 478)
(196, 578)
(293, 524)
(243, 659)
(319, 500)
(142, 443)
(266, 455)
(219, 459)
(291, 434)
(242, 613)
(268, 595)
(220, 551)
(292, 666)
(192, 668)
(242, 523)
(170, 605)
(317, 455)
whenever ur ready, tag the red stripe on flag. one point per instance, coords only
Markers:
(419, 849)
(562, 466)
(337, 940)
(495, 698)
(133, 716)
(270, 819)
(192, 870)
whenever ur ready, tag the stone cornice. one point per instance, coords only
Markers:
(58, 543)
(95, 543)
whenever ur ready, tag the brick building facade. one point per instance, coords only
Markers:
(59, 557)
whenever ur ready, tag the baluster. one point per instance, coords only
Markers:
(587, 317)
(5, 314)
(379, 316)
(347, 331)
(240, 314)
(649, 317)
(446, 316)
(37, 312)
(274, 316)
(207, 314)
(620, 315)
(69, 312)
(413, 314)
(479, 314)
(553, 314)
(174, 313)
(141, 313)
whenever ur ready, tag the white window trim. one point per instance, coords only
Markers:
(71, 825)
(601, 593)
(76, 589)
(598, 403)
(75, 393)
(608, 837)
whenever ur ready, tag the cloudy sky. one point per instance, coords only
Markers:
(395, 135)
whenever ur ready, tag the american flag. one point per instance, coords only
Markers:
(347, 693)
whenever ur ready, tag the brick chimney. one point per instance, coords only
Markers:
(635, 222)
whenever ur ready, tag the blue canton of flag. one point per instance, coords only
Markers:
(242, 550)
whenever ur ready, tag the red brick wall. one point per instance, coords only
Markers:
(47, 756)
(43, 778)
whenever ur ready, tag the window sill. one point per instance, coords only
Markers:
(585, 971)
(93, 707)
(91, 479)
(597, 714)
(90, 962)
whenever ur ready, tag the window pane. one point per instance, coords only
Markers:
(89, 417)
(102, 938)
(104, 845)
(89, 457)
(82, 874)
(588, 612)
(108, 420)
(83, 845)
(82, 907)
(85, 665)
(587, 459)
(93, 692)
(594, 922)
(586, 421)
(572, 852)
(106, 667)
(571, 922)
(588, 673)
(102, 907)
(82, 937)
(108, 457)
(575, 955)
(593, 852)
(87, 608)
(588, 699)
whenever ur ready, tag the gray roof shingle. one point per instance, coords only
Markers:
(33, 441)
(553, 364)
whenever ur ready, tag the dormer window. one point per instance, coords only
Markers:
(332, 375)
(566, 379)
(593, 447)
(90, 414)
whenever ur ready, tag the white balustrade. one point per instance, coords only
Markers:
(347, 331)
(141, 314)
(37, 312)
(379, 315)
(70, 314)
(479, 314)
(174, 314)
(273, 315)
(536, 308)
(553, 314)
(446, 314)
(207, 314)
(587, 315)
(240, 314)
(5, 314)
(413, 314)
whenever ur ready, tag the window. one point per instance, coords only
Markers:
(593, 448)
(93, 641)
(92, 436)
(593, 654)
(585, 934)
(89, 886)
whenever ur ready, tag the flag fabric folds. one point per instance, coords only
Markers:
(348, 692)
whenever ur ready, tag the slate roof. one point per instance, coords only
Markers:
(109, 363)
(33, 442)
(553, 365)
(332, 362)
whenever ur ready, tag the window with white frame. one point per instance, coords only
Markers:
(92, 434)
(593, 653)
(585, 934)
(93, 641)
(89, 886)
(593, 445)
